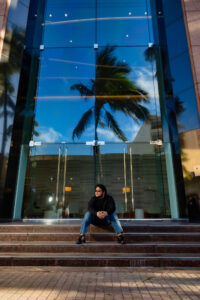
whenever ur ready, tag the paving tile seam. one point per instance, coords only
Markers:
(99, 244)
(102, 233)
(98, 256)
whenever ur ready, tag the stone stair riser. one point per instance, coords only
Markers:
(131, 237)
(103, 262)
(96, 249)
(76, 229)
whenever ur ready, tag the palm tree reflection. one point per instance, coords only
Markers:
(113, 92)
(9, 66)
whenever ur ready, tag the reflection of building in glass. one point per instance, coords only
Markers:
(137, 178)
(148, 187)
(190, 142)
(119, 107)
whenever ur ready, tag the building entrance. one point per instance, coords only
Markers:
(103, 96)
(61, 178)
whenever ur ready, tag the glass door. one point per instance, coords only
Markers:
(60, 179)
(135, 175)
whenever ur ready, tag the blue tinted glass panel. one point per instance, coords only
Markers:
(69, 23)
(181, 73)
(61, 68)
(65, 78)
(125, 89)
(172, 10)
(122, 23)
(18, 13)
(25, 2)
(176, 38)
(187, 113)
(71, 90)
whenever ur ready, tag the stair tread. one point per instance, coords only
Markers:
(99, 244)
(100, 233)
(123, 223)
(103, 255)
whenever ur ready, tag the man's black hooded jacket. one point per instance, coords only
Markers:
(105, 204)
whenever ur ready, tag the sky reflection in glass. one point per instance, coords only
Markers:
(79, 24)
(62, 68)
(69, 23)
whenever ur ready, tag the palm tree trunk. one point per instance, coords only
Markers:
(95, 147)
(4, 137)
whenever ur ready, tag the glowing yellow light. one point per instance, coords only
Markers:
(126, 190)
(68, 189)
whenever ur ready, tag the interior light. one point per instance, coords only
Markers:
(50, 15)
(66, 14)
(50, 199)
(68, 188)
(70, 41)
(126, 189)
(35, 15)
(130, 13)
(145, 13)
(127, 35)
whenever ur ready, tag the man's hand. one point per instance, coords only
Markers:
(102, 214)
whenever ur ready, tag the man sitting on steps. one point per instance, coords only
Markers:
(101, 212)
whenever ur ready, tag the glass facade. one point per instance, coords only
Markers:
(10, 68)
(96, 103)
(187, 135)
(60, 176)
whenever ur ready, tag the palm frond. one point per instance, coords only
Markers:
(127, 106)
(140, 111)
(9, 130)
(8, 114)
(125, 111)
(10, 103)
(150, 53)
(179, 107)
(82, 124)
(112, 124)
(83, 89)
(103, 125)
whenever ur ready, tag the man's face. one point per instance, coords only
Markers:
(99, 193)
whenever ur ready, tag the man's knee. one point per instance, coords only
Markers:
(87, 216)
(114, 216)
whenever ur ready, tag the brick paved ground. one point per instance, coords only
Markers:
(97, 283)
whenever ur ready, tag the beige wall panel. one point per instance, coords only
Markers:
(196, 57)
(191, 10)
(1, 21)
(192, 5)
(193, 18)
(3, 6)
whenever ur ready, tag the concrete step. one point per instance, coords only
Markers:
(105, 247)
(123, 260)
(129, 236)
(150, 244)
(127, 226)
